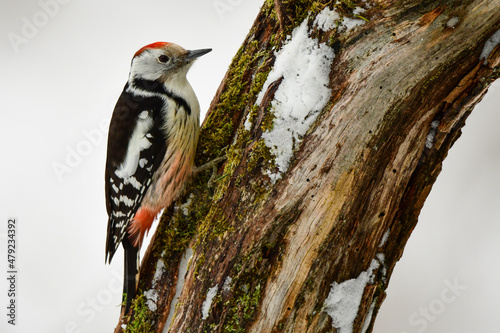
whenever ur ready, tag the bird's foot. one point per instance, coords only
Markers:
(210, 165)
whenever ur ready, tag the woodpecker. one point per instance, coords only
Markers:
(152, 141)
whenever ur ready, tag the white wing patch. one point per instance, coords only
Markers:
(118, 214)
(137, 143)
(126, 200)
(135, 183)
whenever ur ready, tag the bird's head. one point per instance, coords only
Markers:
(162, 61)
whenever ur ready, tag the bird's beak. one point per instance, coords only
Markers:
(193, 54)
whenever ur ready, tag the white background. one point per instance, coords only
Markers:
(62, 82)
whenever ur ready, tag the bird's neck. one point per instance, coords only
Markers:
(175, 87)
(181, 87)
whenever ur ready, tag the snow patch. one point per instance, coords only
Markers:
(183, 266)
(367, 4)
(489, 46)
(343, 301)
(205, 308)
(380, 257)
(151, 294)
(160, 268)
(429, 140)
(349, 23)
(328, 19)
(452, 23)
(384, 238)
(151, 299)
(248, 123)
(383, 270)
(304, 65)
(358, 10)
(185, 206)
(227, 284)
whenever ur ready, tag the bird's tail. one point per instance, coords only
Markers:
(131, 274)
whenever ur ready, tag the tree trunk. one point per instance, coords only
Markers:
(335, 118)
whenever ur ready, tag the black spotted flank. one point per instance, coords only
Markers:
(158, 87)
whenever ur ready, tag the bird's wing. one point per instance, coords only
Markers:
(136, 146)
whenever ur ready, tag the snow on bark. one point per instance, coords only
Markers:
(304, 64)
(208, 301)
(489, 46)
(183, 266)
(343, 301)
(329, 19)
(151, 294)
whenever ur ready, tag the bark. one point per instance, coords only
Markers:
(402, 85)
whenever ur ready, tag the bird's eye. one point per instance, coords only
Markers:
(163, 58)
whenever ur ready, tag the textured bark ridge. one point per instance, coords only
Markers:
(309, 244)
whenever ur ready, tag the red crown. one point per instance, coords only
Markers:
(157, 45)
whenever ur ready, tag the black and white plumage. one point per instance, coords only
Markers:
(152, 140)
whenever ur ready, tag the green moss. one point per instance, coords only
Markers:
(258, 83)
(199, 262)
(234, 156)
(300, 10)
(362, 17)
(246, 286)
(348, 3)
(259, 154)
(181, 230)
(243, 309)
(238, 98)
(219, 128)
(268, 121)
(214, 225)
(142, 322)
(249, 276)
